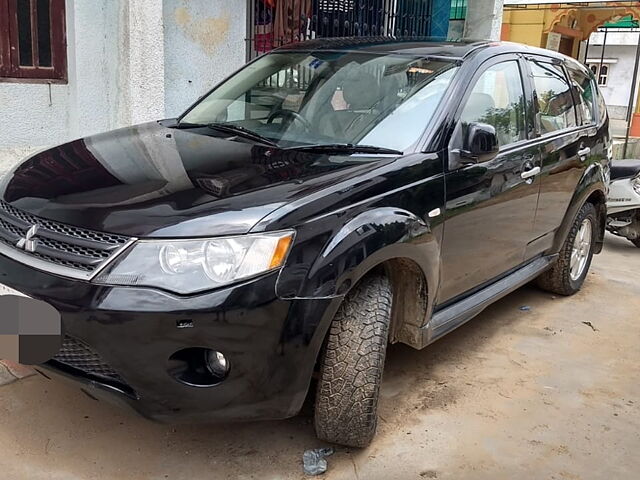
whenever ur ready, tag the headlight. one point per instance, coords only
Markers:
(189, 266)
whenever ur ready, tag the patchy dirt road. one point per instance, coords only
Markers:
(548, 393)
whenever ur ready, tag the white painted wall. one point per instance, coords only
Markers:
(204, 42)
(92, 35)
(622, 47)
(35, 116)
(129, 61)
(31, 115)
(141, 62)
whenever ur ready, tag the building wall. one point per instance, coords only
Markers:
(140, 63)
(483, 19)
(128, 62)
(523, 26)
(33, 116)
(204, 42)
(621, 47)
(531, 26)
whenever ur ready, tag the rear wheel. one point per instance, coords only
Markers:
(352, 364)
(636, 242)
(568, 273)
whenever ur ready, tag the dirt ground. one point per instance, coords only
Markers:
(546, 393)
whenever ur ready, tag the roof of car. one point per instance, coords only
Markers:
(427, 46)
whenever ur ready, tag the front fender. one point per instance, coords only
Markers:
(359, 245)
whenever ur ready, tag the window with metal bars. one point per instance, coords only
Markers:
(458, 10)
(273, 23)
(33, 40)
(601, 72)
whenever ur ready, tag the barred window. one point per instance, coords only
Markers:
(601, 72)
(33, 40)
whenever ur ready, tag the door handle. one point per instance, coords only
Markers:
(530, 173)
(583, 152)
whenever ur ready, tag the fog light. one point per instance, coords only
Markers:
(217, 364)
(198, 367)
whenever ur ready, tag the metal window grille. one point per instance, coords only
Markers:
(458, 10)
(273, 23)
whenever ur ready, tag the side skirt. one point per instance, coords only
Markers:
(451, 317)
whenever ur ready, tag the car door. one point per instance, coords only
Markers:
(567, 139)
(490, 207)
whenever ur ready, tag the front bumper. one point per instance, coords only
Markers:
(271, 344)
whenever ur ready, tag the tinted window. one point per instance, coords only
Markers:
(583, 95)
(555, 105)
(498, 99)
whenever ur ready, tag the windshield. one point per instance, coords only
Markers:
(301, 98)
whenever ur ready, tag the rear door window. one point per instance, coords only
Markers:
(556, 110)
(583, 94)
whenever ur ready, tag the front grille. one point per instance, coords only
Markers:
(59, 244)
(77, 354)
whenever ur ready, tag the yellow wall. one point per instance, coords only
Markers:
(531, 26)
(525, 26)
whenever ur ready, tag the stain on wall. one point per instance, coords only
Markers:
(207, 33)
(204, 42)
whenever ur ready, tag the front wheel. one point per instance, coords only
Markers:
(568, 273)
(352, 363)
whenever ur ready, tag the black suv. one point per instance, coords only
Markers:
(329, 198)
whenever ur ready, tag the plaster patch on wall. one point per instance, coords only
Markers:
(207, 33)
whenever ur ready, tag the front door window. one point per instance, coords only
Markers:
(498, 99)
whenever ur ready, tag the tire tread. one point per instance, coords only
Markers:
(352, 365)
(558, 278)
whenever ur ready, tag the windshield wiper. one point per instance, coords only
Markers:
(242, 132)
(185, 125)
(228, 128)
(345, 148)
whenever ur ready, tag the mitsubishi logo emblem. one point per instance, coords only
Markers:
(26, 243)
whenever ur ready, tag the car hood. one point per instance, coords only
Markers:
(153, 181)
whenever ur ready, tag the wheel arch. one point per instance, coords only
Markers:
(388, 240)
(411, 302)
(410, 305)
(365, 242)
(590, 189)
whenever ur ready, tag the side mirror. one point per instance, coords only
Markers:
(480, 143)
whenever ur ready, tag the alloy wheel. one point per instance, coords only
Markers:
(581, 249)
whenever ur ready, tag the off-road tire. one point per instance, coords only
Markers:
(352, 363)
(558, 278)
(636, 242)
